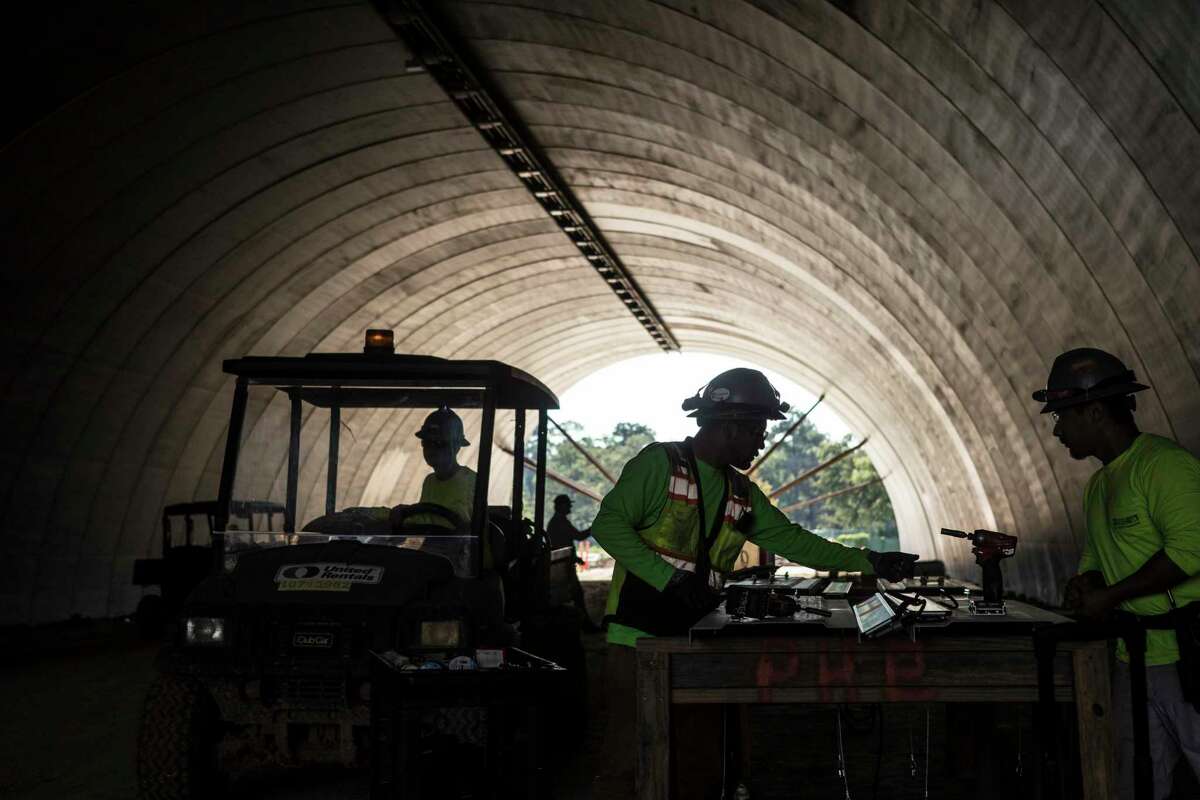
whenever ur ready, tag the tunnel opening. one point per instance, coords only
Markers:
(812, 464)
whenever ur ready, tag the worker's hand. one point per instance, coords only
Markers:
(688, 589)
(396, 517)
(1078, 586)
(893, 566)
(1096, 603)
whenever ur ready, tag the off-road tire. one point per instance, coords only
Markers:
(177, 742)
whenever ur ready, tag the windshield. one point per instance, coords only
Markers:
(458, 549)
(361, 467)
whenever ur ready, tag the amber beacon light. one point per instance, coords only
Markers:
(379, 341)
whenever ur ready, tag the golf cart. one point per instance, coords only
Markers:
(271, 663)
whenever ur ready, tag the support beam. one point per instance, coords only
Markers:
(783, 438)
(539, 483)
(331, 472)
(518, 476)
(817, 469)
(830, 495)
(584, 452)
(450, 63)
(554, 476)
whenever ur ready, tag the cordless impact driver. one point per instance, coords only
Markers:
(989, 548)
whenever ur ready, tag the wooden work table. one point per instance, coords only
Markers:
(974, 659)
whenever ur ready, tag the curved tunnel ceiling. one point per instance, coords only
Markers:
(914, 206)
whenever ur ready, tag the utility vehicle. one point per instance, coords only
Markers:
(269, 662)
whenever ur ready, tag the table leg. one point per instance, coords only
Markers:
(653, 726)
(1093, 706)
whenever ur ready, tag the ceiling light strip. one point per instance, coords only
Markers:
(451, 66)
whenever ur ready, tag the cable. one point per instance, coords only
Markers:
(927, 713)
(842, 756)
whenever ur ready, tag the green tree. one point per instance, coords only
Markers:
(867, 510)
(613, 451)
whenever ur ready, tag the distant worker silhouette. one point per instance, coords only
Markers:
(563, 533)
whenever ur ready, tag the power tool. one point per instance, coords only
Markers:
(756, 593)
(989, 548)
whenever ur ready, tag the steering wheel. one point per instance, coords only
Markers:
(400, 515)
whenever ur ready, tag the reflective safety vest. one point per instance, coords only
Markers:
(677, 533)
(676, 536)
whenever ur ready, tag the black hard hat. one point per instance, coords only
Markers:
(562, 500)
(739, 393)
(1085, 374)
(444, 427)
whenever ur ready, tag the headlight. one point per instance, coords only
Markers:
(231, 560)
(442, 634)
(205, 630)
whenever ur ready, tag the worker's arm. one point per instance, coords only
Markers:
(1087, 559)
(1157, 575)
(774, 532)
(1171, 485)
(1088, 576)
(635, 501)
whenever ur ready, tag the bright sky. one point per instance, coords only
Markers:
(649, 389)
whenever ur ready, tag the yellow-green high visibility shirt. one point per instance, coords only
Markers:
(1145, 500)
(456, 493)
(638, 499)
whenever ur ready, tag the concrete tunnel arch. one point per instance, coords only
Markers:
(914, 204)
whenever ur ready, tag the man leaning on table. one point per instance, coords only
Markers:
(671, 498)
(1142, 549)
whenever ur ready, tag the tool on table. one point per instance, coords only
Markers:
(989, 548)
(838, 589)
(759, 597)
(763, 572)
(875, 615)
(810, 586)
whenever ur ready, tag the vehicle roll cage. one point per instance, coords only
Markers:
(370, 380)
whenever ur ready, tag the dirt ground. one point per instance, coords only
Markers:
(72, 697)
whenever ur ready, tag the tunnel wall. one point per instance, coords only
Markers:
(910, 205)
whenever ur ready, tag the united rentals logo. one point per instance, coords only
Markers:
(324, 640)
(325, 577)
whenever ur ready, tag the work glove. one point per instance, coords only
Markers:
(894, 566)
(691, 591)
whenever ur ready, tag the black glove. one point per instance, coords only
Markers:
(688, 589)
(1080, 585)
(894, 566)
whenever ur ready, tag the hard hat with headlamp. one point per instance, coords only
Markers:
(737, 394)
(1083, 375)
(443, 427)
